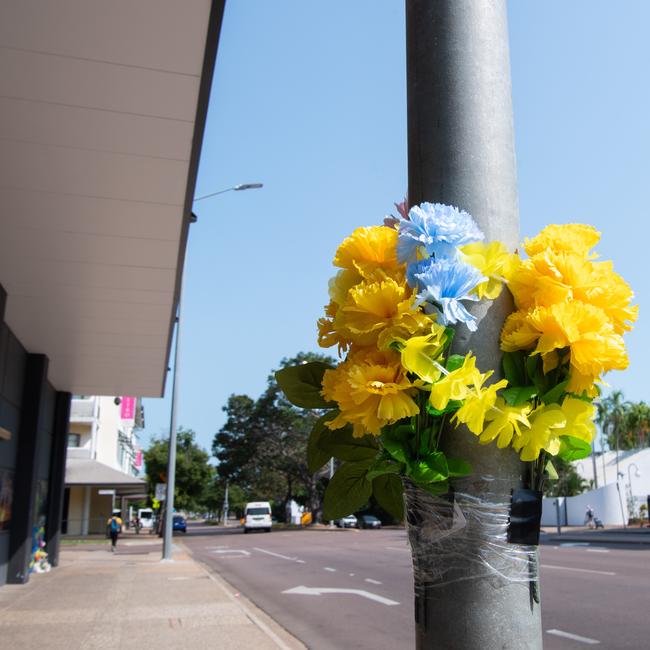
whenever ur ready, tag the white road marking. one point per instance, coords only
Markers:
(351, 575)
(231, 551)
(394, 548)
(179, 578)
(282, 557)
(569, 544)
(570, 568)
(373, 582)
(319, 591)
(329, 568)
(300, 561)
(597, 550)
(211, 548)
(574, 637)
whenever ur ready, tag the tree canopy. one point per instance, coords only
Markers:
(262, 447)
(194, 474)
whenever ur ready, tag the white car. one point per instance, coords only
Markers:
(349, 521)
(257, 516)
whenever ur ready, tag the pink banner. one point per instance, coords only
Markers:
(127, 410)
(138, 459)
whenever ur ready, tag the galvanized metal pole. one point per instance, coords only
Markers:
(171, 461)
(461, 152)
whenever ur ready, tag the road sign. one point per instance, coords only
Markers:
(161, 488)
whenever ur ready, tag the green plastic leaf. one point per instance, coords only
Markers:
(302, 385)
(514, 368)
(536, 373)
(389, 493)
(383, 466)
(452, 405)
(517, 395)
(348, 491)
(341, 444)
(432, 469)
(395, 441)
(458, 467)
(554, 396)
(572, 448)
(317, 457)
(552, 472)
(454, 362)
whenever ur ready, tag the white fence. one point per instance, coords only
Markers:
(609, 503)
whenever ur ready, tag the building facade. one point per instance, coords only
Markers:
(103, 461)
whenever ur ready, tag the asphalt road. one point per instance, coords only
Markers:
(589, 594)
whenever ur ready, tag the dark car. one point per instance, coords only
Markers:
(368, 521)
(179, 523)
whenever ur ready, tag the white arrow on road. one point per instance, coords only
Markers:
(318, 591)
(231, 551)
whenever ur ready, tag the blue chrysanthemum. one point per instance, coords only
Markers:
(444, 284)
(437, 228)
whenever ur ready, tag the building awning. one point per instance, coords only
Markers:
(83, 471)
(102, 112)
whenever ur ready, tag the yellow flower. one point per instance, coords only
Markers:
(420, 354)
(579, 419)
(455, 385)
(478, 402)
(494, 262)
(572, 237)
(546, 424)
(613, 295)
(518, 333)
(368, 248)
(373, 307)
(371, 390)
(504, 423)
(585, 330)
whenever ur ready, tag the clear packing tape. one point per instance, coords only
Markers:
(460, 536)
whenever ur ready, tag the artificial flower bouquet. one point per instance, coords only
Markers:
(401, 290)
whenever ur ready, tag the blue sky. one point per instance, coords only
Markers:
(309, 98)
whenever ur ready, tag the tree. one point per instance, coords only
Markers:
(262, 447)
(193, 472)
(568, 483)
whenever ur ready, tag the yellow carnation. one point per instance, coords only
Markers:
(370, 247)
(572, 237)
(371, 390)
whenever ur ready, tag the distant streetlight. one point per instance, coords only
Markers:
(637, 473)
(171, 459)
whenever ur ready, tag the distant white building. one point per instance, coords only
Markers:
(633, 469)
(103, 461)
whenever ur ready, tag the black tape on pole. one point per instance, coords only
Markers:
(525, 517)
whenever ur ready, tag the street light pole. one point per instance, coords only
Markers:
(226, 505)
(461, 152)
(171, 457)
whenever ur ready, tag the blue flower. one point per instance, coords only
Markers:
(444, 284)
(438, 228)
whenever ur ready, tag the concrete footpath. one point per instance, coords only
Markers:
(130, 599)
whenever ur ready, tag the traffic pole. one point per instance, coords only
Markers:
(461, 152)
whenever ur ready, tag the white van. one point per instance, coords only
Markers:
(257, 516)
(145, 515)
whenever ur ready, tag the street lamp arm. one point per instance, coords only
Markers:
(234, 188)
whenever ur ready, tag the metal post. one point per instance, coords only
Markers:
(331, 475)
(558, 523)
(593, 460)
(461, 152)
(226, 505)
(171, 462)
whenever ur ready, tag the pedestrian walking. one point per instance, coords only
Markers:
(589, 517)
(114, 528)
